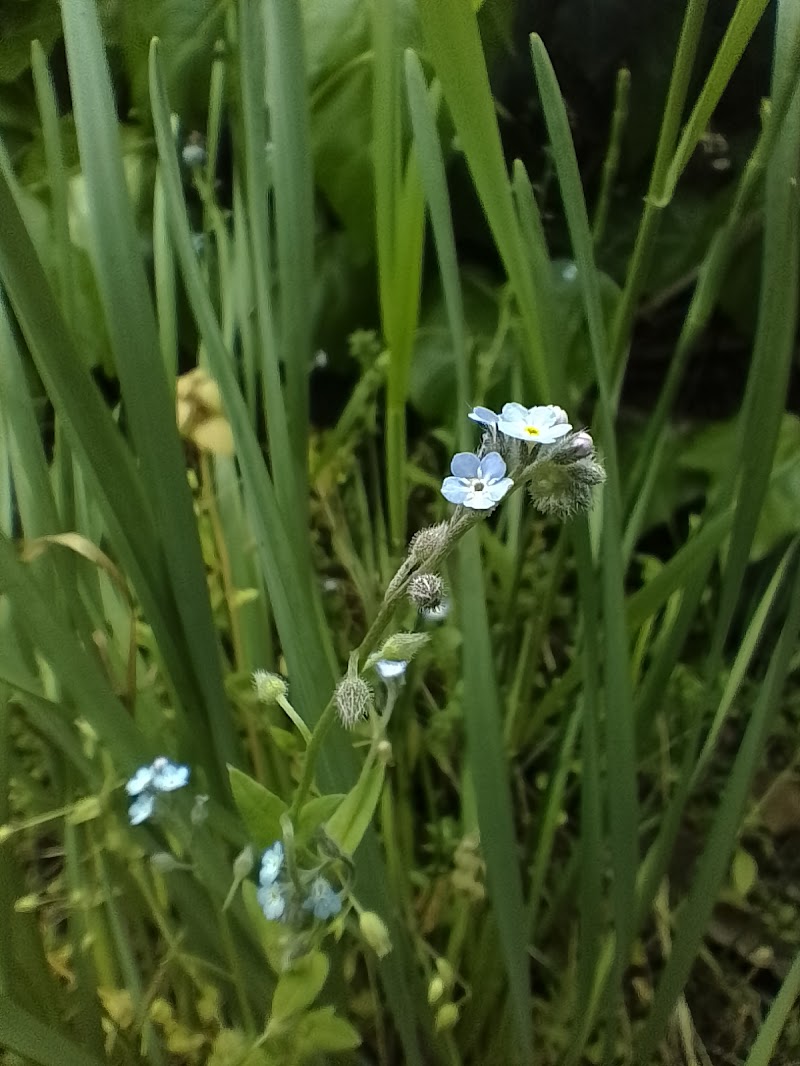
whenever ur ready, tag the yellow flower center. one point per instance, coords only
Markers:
(532, 431)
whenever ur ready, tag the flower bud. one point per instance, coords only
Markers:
(564, 489)
(401, 646)
(426, 591)
(199, 811)
(164, 863)
(269, 688)
(429, 542)
(446, 1017)
(581, 445)
(375, 933)
(435, 990)
(194, 151)
(353, 698)
(243, 863)
(384, 752)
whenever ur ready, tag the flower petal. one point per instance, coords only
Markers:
(514, 411)
(141, 808)
(492, 467)
(497, 489)
(483, 415)
(464, 464)
(479, 500)
(167, 776)
(455, 489)
(141, 780)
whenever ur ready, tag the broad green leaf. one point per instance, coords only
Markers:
(259, 808)
(299, 986)
(347, 826)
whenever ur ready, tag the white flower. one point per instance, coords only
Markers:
(271, 864)
(167, 776)
(272, 900)
(476, 483)
(142, 779)
(484, 416)
(389, 669)
(537, 425)
(141, 808)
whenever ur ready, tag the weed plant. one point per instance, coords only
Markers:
(311, 749)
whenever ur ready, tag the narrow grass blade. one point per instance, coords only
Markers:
(455, 48)
(763, 1049)
(22, 1033)
(762, 410)
(737, 36)
(148, 399)
(714, 860)
(489, 773)
(294, 210)
(620, 739)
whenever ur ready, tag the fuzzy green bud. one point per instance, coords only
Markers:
(429, 542)
(564, 488)
(375, 933)
(353, 698)
(269, 688)
(426, 591)
(400, 647)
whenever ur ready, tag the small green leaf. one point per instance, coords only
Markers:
(315, 813)
(350, 822)
(323, 1031)
(274, 937)
(299, 986)
(259, 808)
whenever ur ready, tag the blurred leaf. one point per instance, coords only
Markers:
(323, 1031)
(314, 813)
(299, 986)
(709, 453)
(744, 872)
(351, 820)
(259, 808)
(188, 30)
(24, 21)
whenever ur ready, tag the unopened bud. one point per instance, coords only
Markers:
(564, 489)
(384, 752)
(199, 811)
(435, 990)
(429, 542)
(243, 863)
(269, 688)
(446, 1017)
(581, 445)
(353, 698)
(401, 647)
(164, 863)
(426, 591)
(194, 151)
(375, 933)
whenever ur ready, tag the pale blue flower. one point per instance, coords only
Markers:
(161, 776)
(141, 808)
(271, 864)
(322, 900)
(272, 900)
(390, 669)
(536, 425)
(168, 776)
(479, 484)
(484, 416)
(142, 779)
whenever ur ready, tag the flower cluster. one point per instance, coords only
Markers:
(557, 464)
(148, 781)
(276, 893)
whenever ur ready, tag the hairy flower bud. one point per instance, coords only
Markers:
(429, 542)
(353, 698)
(375, 933)
(269, 688)
(446, 1017)
(564, 488)
(400, 647)
(426, 591)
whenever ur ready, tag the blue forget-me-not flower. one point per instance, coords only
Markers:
(161, 776)
(322, 901)
(479, 484)
(271, 864)
(272, 900)
(536, 425)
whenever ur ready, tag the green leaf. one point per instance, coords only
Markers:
(259, 808)
(709, 452)
(351, 820)
(299, 986)
(24, 21)
(315, 813)
(322, 1030)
